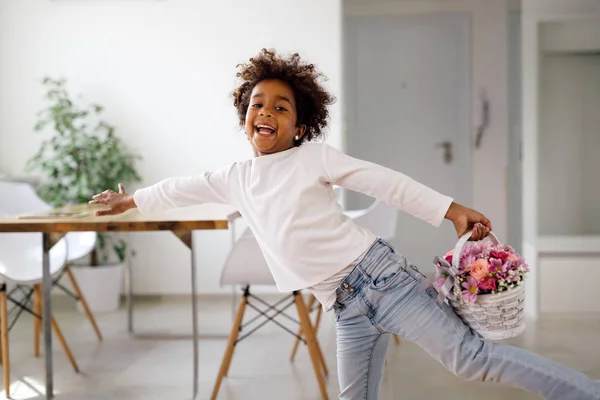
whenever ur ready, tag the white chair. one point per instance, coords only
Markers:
(246, 266)
(20, 198)
(21, 263)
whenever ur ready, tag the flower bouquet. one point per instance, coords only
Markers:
(484, 283)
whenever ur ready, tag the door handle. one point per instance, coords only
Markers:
(447, 147)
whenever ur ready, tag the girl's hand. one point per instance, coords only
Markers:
(117, 202)
(466, 219)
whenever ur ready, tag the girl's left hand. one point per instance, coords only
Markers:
(466, 219)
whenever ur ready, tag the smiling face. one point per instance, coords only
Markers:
(271, 118)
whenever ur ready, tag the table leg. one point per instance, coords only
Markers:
(129, 285)
(194, 314)
(47, 313)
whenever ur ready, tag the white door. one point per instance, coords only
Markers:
(407, 107)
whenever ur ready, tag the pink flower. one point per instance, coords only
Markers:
(488, 283)
(513, 257)
(495, 264)
(467, 261)
(479, 269)
(471, 290)
(448, 256)
(499, 254)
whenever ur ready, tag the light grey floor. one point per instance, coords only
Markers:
(122, 367)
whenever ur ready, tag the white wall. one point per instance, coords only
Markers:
(556, 297)
(569, 145)
(164, 71)
(534, 12)
(581, 35)
(569, 150)
(489, 72)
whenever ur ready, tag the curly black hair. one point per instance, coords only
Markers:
(312, 100)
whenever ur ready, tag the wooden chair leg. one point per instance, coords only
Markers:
(313, 345)
(396, 339)
(37, 322)
(316, 329)
(63, 343)
(58, 333)
(311, 301)
(84, 303)
(233, 336)
(4, 339)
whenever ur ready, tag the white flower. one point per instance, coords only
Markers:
(520, 283)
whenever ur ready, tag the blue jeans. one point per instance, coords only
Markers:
(381, 296)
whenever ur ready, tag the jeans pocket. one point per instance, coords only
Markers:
(390, 274)
(337, 312)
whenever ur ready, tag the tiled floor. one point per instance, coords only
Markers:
(122, 367)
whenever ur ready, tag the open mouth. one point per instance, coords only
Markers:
(265, 130)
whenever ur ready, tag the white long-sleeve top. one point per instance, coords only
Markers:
(288, 202)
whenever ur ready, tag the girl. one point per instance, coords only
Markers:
(285, 195)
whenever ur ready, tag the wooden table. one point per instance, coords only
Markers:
(181, 222)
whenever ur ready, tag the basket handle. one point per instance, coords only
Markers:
(461, 244)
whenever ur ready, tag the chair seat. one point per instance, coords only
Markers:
(80, 244)
(21, 257)
(353, 214)
(246, 264)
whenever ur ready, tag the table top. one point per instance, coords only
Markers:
(206, 216)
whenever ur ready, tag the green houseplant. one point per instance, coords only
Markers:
(82, 157)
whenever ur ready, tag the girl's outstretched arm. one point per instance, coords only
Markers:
(401, 191)
(209, 187)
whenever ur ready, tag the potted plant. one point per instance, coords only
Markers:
(84, 157)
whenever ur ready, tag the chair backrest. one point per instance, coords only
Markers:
(21, 256)
(379, 218)
(19, 198)
(246, 264)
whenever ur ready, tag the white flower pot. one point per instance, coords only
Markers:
(100, 285)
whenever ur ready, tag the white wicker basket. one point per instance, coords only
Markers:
(494, 316)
